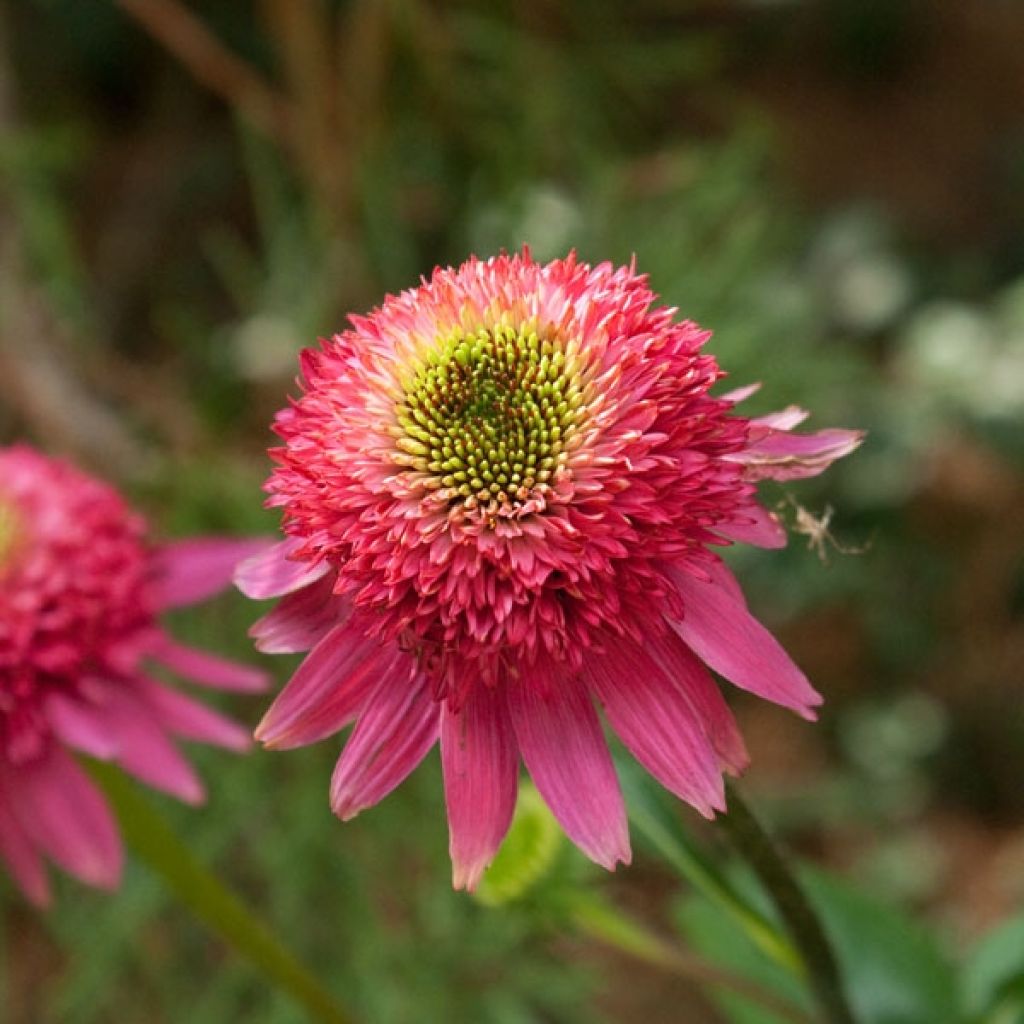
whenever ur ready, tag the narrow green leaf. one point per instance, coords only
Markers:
(993, 977)
(150, 838)
(652, 815)
(894, 971)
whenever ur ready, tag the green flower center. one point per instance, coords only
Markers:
(490, 415)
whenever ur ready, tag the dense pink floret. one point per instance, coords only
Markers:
(80, 589)
(494, 619)
(645, 482)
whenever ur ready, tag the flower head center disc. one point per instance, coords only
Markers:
(490, 416)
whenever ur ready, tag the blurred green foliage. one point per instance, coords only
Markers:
(188, 254)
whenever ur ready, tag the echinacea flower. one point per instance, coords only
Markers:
(80, 590)
(502, 492)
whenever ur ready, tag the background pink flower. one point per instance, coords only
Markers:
(80, 589)
(502, 492)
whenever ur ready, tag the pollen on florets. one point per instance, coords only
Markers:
(491, 415)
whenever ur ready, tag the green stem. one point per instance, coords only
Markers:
(601, 921)
(657, 820)
(760, 852)
(153, 841)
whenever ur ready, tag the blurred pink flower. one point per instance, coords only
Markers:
(80, 589)
(501, 492)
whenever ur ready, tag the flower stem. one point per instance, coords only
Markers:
(149, 836)
(601, 921)
(760, 852)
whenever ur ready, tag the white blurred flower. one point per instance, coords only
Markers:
(264, 347)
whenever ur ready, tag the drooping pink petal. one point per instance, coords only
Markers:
(207, 669)
(783, 456)
(301, 619)
(754, 524)
(717, 626)
(330, 687)
(396, 729)
(81, 585)
(81, 724)
(740, 394)
(189, 571)
(63, 815)
(653, 717)
(688, 673)
(480, 762)
(18, 853)
(560, 738)
(497, 473)
(784, 419)
(272, 573)
(182, 716)
(144, 750)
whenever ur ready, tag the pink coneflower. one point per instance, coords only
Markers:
(501, 493)
(80, 588)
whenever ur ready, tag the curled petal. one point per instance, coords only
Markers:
(779, 455)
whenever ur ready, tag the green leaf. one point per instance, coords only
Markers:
(655, 816)
(150, 838)
(993, 977)
(894, 972)
(526, 855)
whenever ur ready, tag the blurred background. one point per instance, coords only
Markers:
(191, 192)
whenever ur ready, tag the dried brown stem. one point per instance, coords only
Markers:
(213, 64)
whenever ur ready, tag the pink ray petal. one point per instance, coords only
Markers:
(479, 761)
(740, 394)
(207, 669)
(754, 525)
(189, 571)
(395, 731)
(330, 687)
(20, 856)
(687, 671)
(81, 724)
(659, 725)
(783, 456)
(301, 620)
(560, 738)
(182, 716)
(784, 419)
(272, 573)
(718, 627)
(63, 815)
(145, 751)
